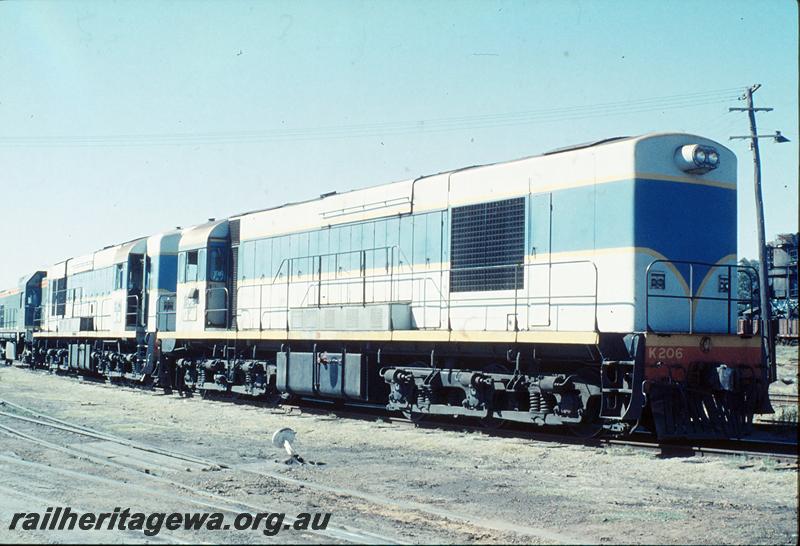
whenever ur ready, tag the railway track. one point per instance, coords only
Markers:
(755, 447)
(347, 534)
(780, 450)
(785, 414)
(189, 494)
(31, 418)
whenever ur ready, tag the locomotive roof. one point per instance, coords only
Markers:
(570, 148)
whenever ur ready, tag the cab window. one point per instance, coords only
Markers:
(119, 276)
(217, 263)
(191, 266)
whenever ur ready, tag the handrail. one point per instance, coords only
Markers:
(692, 298)
(41, 319)
(135, 312)
(418, 285)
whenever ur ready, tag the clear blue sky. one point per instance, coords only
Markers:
(201, 109)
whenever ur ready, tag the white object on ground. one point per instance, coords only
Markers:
(283, 438)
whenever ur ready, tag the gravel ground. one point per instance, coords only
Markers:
(787, 370)
(468, 487)
(786, 384)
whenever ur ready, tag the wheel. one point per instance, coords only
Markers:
(414, 416)
(591, 426)
(493, 423)
(271, 399)
(490, 422)
(229, 394)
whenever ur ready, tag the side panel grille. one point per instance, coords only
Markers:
(233, 226)
(488, 246)
(233, 282)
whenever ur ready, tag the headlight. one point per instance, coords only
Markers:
(696, 159)
(699, 156)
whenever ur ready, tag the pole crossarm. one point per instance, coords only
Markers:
(750, 109)
(747, 137)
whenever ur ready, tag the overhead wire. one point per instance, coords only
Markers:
(357, 130)
(689, 100)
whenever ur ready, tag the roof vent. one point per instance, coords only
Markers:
(211, 219)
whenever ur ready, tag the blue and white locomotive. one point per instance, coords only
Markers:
(590, 286)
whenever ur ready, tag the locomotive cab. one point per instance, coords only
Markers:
(203, 297)
(162, 256)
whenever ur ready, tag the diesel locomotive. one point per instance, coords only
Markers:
(593, 287)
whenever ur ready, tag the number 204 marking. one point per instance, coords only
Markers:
(665, 353)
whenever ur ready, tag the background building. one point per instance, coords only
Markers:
(782, 270)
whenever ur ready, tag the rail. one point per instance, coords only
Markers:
(750, 272)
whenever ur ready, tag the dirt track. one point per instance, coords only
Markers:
(400, 483)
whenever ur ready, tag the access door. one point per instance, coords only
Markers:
(539, 262)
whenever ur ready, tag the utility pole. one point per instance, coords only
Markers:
(769, 345)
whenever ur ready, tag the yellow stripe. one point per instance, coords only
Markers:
(212, 334)
(568, 338)
(719, 263)
(93, 335)
(431, 336)
(555, 257)
(437, 336)
(340, 335)
(461, 336)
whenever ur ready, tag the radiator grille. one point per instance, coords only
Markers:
(488, 246)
